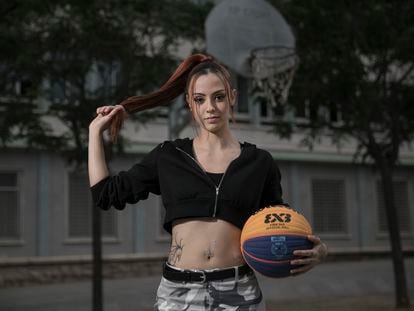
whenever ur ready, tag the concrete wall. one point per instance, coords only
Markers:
(44, 197)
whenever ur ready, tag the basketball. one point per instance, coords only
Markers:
(269, 238)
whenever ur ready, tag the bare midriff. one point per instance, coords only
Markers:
(205, 243)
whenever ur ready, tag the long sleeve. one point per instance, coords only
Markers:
(128, 186)
(272, 192)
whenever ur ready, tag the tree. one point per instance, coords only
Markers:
(78, 55)
(356, 79)
(67, 58)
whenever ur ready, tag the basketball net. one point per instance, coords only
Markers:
(273, 70)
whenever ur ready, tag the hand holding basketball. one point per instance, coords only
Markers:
(309, 258)
(271, 237)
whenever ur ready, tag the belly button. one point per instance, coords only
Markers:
(208, 254)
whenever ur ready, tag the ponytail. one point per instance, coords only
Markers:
(171, 89)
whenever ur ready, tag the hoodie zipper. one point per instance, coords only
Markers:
(208, 178)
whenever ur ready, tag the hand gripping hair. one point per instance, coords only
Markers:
(171, 89)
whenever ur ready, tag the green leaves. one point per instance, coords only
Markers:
(358, 58)
(79, 55)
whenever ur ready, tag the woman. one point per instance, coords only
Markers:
(210, 185)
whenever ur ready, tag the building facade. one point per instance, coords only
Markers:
(45, 204)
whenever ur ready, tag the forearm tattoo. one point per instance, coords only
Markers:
(175, 252)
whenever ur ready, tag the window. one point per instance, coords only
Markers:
(242, 106)
(252, 104)
(329, 206)
(401, 204)
(16, 85)
(307, 111)
(9, 206)
(80, 210)
(100, 82)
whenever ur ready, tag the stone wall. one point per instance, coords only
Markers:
(45, 270)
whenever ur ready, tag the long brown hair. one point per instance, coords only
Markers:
(180, 81)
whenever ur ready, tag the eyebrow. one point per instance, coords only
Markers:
(219, 91)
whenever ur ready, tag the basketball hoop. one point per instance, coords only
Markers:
(273, 69)
(254, 40)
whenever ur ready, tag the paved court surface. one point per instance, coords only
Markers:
(363, 285)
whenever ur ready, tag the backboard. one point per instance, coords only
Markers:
(234, 28)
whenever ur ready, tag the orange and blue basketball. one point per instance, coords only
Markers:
(269, 238)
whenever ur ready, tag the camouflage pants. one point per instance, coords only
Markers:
(237, 293)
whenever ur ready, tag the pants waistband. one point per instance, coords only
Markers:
(202, 276)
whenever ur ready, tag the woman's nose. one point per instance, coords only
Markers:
(210, 105)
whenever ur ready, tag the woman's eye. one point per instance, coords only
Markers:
(220, 97)
(198, 100)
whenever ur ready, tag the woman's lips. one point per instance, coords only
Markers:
(212, 119)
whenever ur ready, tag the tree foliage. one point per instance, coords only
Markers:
(356, 80)
(356, 71)
(70, 57)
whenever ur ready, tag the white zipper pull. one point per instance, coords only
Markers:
(215, 202)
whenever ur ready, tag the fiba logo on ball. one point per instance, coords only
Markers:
(279, 248)
(269, 238)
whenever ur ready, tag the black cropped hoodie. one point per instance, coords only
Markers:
(251, 182)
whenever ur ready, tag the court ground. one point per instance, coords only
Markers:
(353, 303)
(334, 286)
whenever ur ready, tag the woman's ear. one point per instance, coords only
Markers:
(233, 97)
(187, 100)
